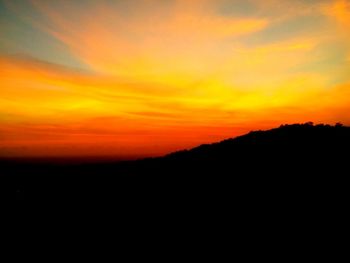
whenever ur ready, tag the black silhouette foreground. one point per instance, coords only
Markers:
(303, 162)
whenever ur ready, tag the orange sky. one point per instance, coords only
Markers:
(144, 78)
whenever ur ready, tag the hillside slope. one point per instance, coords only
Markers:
(300, 158)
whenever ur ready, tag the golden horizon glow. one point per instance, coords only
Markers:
(147, 77)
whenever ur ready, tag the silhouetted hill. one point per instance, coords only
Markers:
(292, 162)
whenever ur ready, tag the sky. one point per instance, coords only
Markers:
(144, 78)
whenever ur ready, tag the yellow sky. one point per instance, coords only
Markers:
(140, 78)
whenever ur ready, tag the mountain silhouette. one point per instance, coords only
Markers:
(281, 165)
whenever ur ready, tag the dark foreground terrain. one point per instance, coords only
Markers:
(301, 164)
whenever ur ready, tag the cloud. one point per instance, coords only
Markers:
(167, 76)
(180, 42)
(340, 11)
(140, 44)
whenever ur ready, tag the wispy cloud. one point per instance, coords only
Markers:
(141, 43)
(340, 11)
(164, 75)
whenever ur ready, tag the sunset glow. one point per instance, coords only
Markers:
(147, 77)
